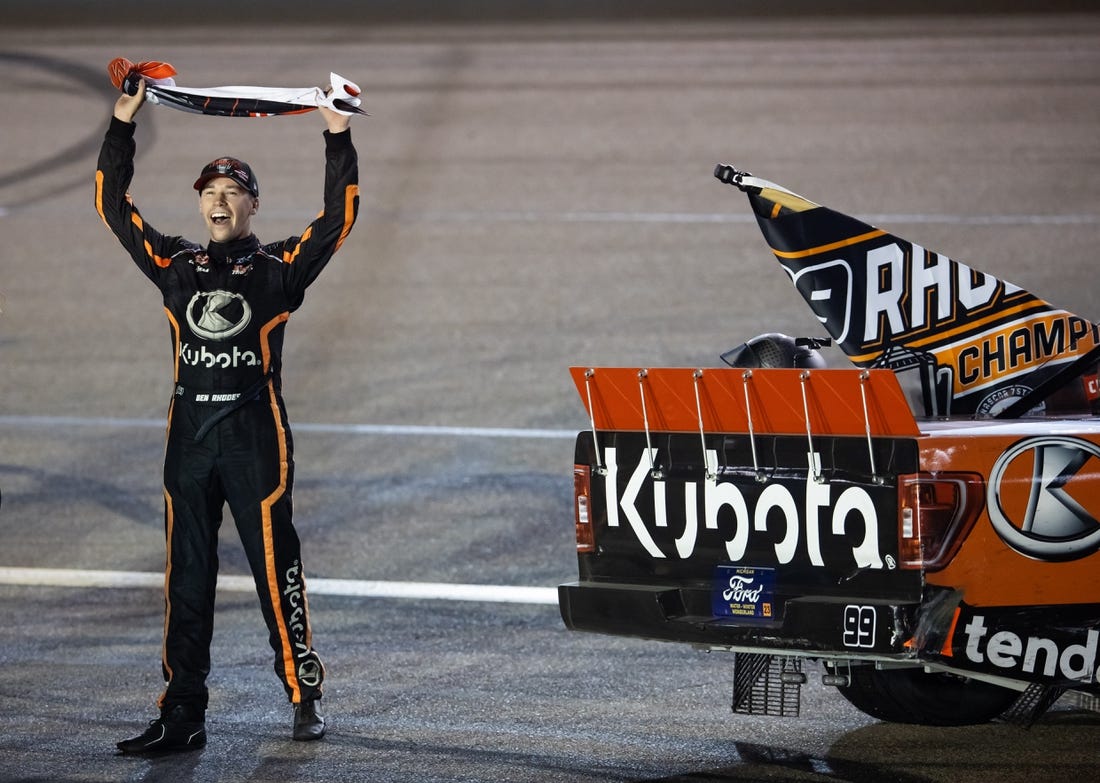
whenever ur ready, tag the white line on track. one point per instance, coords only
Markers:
(48, 422)
(431, 591)
(358, 588)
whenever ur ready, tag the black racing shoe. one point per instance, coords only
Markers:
(177, 729)
(309, 724)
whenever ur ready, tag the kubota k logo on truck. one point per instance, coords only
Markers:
(1043, 500)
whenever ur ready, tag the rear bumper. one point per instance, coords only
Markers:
(812, 627)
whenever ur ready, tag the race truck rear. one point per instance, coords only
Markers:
(901, 522)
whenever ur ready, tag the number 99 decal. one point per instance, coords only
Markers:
(859, 626)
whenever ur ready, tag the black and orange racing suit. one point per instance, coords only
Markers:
(228, 439)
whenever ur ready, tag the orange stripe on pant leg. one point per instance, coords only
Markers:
(269, 554)
(169, 525)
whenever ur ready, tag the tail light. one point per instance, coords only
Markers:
(582, 506)
(935, 514)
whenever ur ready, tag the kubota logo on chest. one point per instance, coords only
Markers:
(217, 315)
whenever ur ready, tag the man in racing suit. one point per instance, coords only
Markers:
(228, 440)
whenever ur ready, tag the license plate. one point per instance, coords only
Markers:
(744, 593)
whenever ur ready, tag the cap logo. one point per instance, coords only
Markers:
(234, 169)
(229, 168)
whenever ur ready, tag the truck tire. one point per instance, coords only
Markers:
(913, 695)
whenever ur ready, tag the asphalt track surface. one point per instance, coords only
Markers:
(534, 196)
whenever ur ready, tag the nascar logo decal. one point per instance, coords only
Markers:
(1044, 497)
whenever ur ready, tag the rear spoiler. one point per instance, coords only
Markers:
(837, 402)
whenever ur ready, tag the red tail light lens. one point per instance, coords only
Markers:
(935, 514)
(582, 506)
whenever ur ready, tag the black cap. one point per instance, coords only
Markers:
(237, 170)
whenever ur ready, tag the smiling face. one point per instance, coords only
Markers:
(227, 209)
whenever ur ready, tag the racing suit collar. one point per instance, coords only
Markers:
(228, 251)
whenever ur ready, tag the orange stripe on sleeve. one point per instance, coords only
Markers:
(290, 258)
(350, 195)
(99, 197)
(160, 261)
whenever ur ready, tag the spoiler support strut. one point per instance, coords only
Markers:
(815, 465)
(864, 377)
(711, 475)
(600, 469)
(746, 376)
(653, 469)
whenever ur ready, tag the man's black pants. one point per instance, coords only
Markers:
(245, 460)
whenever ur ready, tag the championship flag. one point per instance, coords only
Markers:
(233, 101)
(978, 345)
